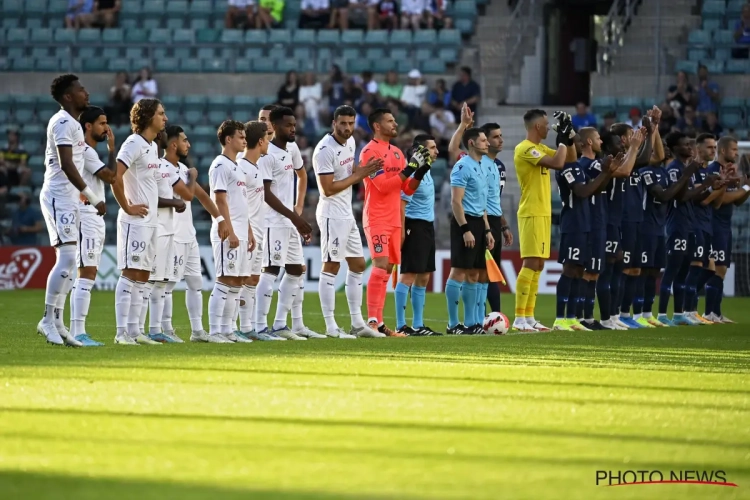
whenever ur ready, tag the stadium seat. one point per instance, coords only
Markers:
(194, 103)
(422, 54)
(94, 65)
(734, 8)
(153, 8)
(253, 52)
(150, 24)
(121, 64)
(625, 104)
(256, 37)
(137, 35)
(465, 26)
(243, 66)
(175, 23)
(303, 54)
(732, 104)
(62, 52)
(715, 67)
(699, 37)
(232, 36)
(404, 66)
(711, 24)
(217, 115)
(37, 52)
(358, 65)
(353, 37)
(737, 66)
(113, 35)
(277, 53)
(17, 35)
(16, 52)
(206, 53)
(160, 36)
(160, 53)
(173, 103)
(47, 64)
(448, 55)
(400, 38)
(381, 64)
(203, 133)
(176, 7)
(286, 64)
(329, 38)
(44, 35)
(424, 37)
(722, 54)
(207, 36)
(264, 65)
(170, 65)
(304, 37)
(434, 66)
(697, 55)
(280, 36)
(449, 38)
(13, 7)
(713, 9)
(376, 38)
(193, 118)
(34, 24)
(220, 101)
(200, 8)
(183, 36)
(203, 149)
(688, 67)
(724, 37)
(350, 53)
(131, 52)
(731, 119)
(63, 35)
(89, 35)
(198, 24)
(465, 9)
(375, 53)
(218, 65)
(190, 66)
(24, 101)
(23, 115)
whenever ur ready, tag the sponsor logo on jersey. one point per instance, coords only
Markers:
(153, 165)
(288, 167)
(348, 160)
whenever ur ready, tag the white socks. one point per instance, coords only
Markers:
(156, 305)
(354, 298)
(263, 298)
(166, 314)
(136, 304)
(80, 300)
(327, 294)
(298, 324)
(288, 288)
(57, 280)
(216, 303)
(194, 301)
(148, 288)
(247, 308)
(123, 296)
(232, 302)
(61, 299)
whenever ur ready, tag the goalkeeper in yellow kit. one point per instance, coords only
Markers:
(533, 160)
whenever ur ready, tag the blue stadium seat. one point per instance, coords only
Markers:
(89, 35)
(217, 115)
(734, 8)
(169, 65)
(715, 67)
(732, 104)
(160, 53)
(448, 55)
(697, 55)
(47, 64)
(422, 54)
(13, 7)
(243, 66)
(434, 66)
(732, 119)
(604, 103)
(203, 133)
(625, 104)
(287, 64)
(376, 38)
(399, 54)
(220, 101)
(176, 7)
(44, 35)
(329, 38)
(358, 65)
(194, 103)
(121, 64)
(699, 37)
(713, 9)
(277, 53)
(382, 65)
(207, 36)
(34, 23)
(375, 53)
(256, 37)
(465, 9)
(8, 22)
(159, 36)
(199, 8)
(37, 52)
(113, 35)
(425, 37)
(183, 36)
(253, 52)
(137, 35)
(16, 52)
(216, 65)
(63, 35)
(17, 35)
(131, 6)
(688, 67)
(87, 52)
(94, 65)
(722, 54)
(738, 66)
(449, 37)
(173, 103)
(206, 53)
(724, 37)
(711, 24)
(350, 53)
(198, 24)
(175, 23)
(400, 38)
(404, 66)
(153, 8)
(232, 36)
(205, 148)
(131, 52)
(306, 37)
(264, 65)
(280, 36)
(244, 100)
(190, 66)
(353, 37)
(302, 53)
(194, 118)
(465, 26)
(62, 52)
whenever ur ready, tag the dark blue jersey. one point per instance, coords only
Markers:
(703, 213)
(655, 214)
(634, 201)
(722, 216)
(597, 201)
(501, 169)
(680, 215)
(615, 191)
(574, 217)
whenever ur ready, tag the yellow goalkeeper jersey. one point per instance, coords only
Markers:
(536, 189)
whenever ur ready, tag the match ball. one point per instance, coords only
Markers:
(496, 323)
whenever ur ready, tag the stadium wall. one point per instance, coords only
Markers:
(28, 267)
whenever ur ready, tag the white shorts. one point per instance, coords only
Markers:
(241, 3)
(90, 240)
(62, 219)
(282, 247)
(256, 256)
(339, 239)
(136, 246)
(164, 263)
(187, 260)
(230, 261)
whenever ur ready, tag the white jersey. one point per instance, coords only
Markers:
(228, 177)
(142, 160)
(62, 130)
(91, 165)
(280, 170)
(166, 178)
(337, 160)
(255, 191)
(184, 231)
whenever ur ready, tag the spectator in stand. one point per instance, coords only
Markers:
(708, 93)
(414, 93)
(368, 84)
(681, 93)
(742, 33)
(334, 88)
(402, 119)
(689, 124)
(240, 13)
(80, 14)
(391, 88)
(387, 14)
(144, 86)
(118, 108)
(270, 14)
(351, 94)
(288, 94)
(634, 118)
(439, 93)
(305, 125)
(412, 13)
(105, 13)
(610, 118)
(668, 121)
(442, 124)
(311, 97)
(465, 90)
(339, 15)
(362, 127)
(364, 13)
(305, 150)
(583, 118)
(13, 160)
(711, 124)
(316, 14)
(436, 16)
(26, 223)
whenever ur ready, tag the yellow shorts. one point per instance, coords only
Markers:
(535, 236)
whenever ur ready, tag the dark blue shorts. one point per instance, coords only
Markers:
(653, 251)
(721, 246)
(613, 240)
(574, 249)
(699, 246)
(677, 243)
(597, 251)
(631, 245)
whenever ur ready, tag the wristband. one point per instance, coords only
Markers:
(504, 228)
(746, 188)
(88, 193)
(421, 172)
(408, 171)
(465, 228)
(487, 231)
(220, 219)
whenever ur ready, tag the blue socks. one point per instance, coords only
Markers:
(691, 287)
(493, 296)
(628, 294)
(604, 294)
(417, 305)
(616, 288)
(714, 286)
(640, 285)
(563, 291)
(481, 301)
(402, 294)
(674, 263)
(649, 293)
(452, 296)
(678, 287)
(469, 298)
(589, 300)
(573, 298)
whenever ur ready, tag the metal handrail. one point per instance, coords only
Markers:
(613, 32)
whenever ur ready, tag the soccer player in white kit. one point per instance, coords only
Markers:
(91, 232)
(61, 191)
(333, 161)
(228, 190)
(282, 245)
(187, 258)
(137, 194)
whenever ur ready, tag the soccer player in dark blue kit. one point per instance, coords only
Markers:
(576, 188)
(679, 228)
(737, 193)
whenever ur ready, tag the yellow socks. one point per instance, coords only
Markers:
(533, 289)
(523, 289)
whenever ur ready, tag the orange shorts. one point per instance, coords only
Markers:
(384, 241)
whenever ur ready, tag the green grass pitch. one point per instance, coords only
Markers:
(519, 416)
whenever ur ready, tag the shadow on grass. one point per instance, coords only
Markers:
(38, 486)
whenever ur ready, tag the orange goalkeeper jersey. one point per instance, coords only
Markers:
(383, 190)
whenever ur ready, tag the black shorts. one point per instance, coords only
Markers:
(699, 246)
(574, 249)
(631, 245)
(613, 240)
(495, 225)
(418, 250)
(597, 251)
(653, 251)
(463, 257)
(721, 246)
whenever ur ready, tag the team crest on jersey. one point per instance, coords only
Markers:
(231, 265)
(535, 153)
(136, 258)
(334, 251)
(67, 230)
(91, 255)
(397, 156)
(378, 248)
(277, 256)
